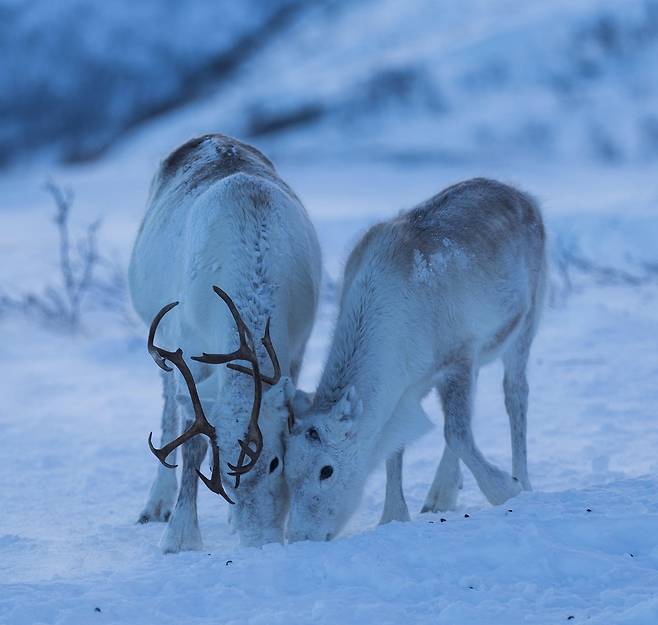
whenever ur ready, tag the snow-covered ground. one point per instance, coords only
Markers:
(76, 411)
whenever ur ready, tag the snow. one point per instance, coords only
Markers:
(557, 98)
(422, 269)
(77, 410)
(546, 560)
(76, 74)
(447, 81)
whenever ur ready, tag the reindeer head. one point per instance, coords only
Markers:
(322, 468)
(262, 497)
(261, 501)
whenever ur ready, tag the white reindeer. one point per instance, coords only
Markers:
(427, 299)
(218, 214)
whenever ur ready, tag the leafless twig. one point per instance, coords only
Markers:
(83, 271)
(570, 263)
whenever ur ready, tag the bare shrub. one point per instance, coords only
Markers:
(83, 272)
(571, 270)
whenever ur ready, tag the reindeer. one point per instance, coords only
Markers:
(428, 298)
(219, 214)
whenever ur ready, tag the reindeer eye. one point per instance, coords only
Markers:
(312, 433)
(326, 472)
(274, 464)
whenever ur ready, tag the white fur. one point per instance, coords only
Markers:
(428, 298)
(218, 214)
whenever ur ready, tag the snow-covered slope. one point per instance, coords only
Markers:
(77, 74)
(425, 80)
(444, 80)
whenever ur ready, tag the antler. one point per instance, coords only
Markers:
(267, 343)
(271, 381)
(200, 424)
(246, 352)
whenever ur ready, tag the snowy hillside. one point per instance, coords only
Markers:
(77, 74)
(409, 81)
(458, 81)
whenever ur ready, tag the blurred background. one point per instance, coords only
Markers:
(358, 79)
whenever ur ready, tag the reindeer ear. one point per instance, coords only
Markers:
(301, 401)
(346, 413)
(297, 402)
(349, 406)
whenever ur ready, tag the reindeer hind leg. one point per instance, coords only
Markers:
(515, 386)
(457, 393)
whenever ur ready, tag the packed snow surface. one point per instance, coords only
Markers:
(76, 412)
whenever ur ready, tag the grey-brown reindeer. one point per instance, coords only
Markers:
(219, 214)
(427, 299)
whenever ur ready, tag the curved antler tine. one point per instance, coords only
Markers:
(241, 369)
(154, 350)
(271, 352)
(246, 451)
(159, 455)
(239, 469)
(243, 330)
(218, 359)
(215, 481)
(215, 485)
(233, 472)
(201, 425)
(266, 379)
(198, 427)
(267, 343)
(258, 441)
(244, 351)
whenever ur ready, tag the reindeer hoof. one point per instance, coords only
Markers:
(156, 514)
(400, 514)
(444, 502)
(181, 537)
(502, 488)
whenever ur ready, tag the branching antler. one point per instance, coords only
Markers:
(200, 425)
(246, 352)
(252, 446)
(267, 343)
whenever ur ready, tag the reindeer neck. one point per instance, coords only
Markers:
(364, 355)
